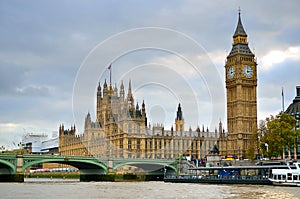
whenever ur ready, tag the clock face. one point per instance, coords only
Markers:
(248, 72)
(231, 72)
(240, 136)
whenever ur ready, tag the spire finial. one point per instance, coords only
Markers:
(129, 87)
(239, 29)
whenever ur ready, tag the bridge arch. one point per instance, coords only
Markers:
(157, 165)
(82, 165)
(7, 167)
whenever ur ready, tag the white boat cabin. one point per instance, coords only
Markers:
(289, 176)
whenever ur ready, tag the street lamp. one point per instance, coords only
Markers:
(267, 146)
(297, 117)
(2, 148)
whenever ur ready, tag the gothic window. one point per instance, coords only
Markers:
(146, 144)
(129, 128)
(138, 129)
(138, 144)
(192, 146)
(129, 145)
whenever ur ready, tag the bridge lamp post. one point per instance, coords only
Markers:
(2, 148)
(297, 125)
(178, 165)
(20, 147)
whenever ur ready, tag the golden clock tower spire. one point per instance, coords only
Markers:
(241, 83)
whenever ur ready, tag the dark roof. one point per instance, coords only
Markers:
(240, 49)
(240, 29)
(294, 108)
(179, 113)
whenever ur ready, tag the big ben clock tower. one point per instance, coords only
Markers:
(241, 83)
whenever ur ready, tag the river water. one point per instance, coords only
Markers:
(41, 188)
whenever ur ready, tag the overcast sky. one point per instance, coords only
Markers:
(53, 53)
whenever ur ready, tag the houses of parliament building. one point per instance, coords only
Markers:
(121, 129)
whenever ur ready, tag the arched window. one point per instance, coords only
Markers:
(129, 128)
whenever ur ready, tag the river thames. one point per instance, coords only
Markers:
(41, 188)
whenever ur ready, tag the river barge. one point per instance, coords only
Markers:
(258, 175)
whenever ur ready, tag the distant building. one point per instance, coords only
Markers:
(294, 110)
(294, 107)
(39, 143)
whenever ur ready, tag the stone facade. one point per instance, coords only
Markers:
(241, 83)
(121, 131)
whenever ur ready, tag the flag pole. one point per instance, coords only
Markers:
(282, 95)
(109, 68)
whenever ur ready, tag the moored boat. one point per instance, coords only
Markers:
(288, 177)
(225, 175)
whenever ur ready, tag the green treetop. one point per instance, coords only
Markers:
(277, 134)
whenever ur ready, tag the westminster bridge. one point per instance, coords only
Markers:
(13, 166)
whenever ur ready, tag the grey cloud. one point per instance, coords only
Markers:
(43, 43)
(35, 91)
(11, 76)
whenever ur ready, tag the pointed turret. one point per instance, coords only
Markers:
(239, 31)
(61, 130)
(179, 113)
(99, 94)
(144, 112)
(104, 88)
(122, 92)
(130, 99)
(115, 90)
(143, 108)
(99, 87)
(179, 121)
(122, 86)
(240, 43)
(220, 127)
(129, 94)
(105, 84)
(110, 87)
(88, 121)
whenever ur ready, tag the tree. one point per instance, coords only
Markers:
(278, 133)
(252, 149)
